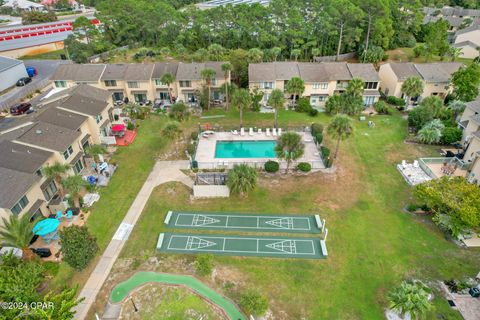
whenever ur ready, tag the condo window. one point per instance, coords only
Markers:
(213, 82)
(371, 85)
(132, 84)
(67, 153)
(185, 84)
(50, 190)
(98, 118)
(110, 83)
(320, 85)
(266, 85)
(20, 205)
(78, 166)
(60, 84)
(159, 83)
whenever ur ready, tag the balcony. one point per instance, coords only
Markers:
(439, 167)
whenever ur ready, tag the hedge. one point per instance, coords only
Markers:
(304, 166)
(272, 166)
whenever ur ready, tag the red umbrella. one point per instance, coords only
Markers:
(118, 127)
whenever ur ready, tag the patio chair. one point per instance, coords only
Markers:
(259, 130)
(234, 132)
(415, 164)
(69, 215)
(279, 131)
(59, 215)
(242, 131)
(404, 164)
(267, 132)
(274, 132)
(250, 132)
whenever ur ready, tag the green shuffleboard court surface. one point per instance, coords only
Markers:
(123, 289)
(244, 222)
(257, 246)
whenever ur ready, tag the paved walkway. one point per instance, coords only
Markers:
(163, 171)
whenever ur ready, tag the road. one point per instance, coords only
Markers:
(45, 69)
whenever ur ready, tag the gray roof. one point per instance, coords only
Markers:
(114, 71)
(337, 71)
(474, 105)
(23, 158)
(139, 72)
(81, 98)
(364, 71)
(465, 44)
(49, 136)
(14, 133)
(62, 118)
(17, 183)
(163, 68)
(473, 27)
(258, 72)
(79, 72)
(7, 63)
(438, 71)
(313, 72)
(403, 70)
(192, 71)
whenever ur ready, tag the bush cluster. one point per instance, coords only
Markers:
(304, 167)
(272, 166)
(395, 101)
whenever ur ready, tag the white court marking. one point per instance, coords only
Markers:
(197, 243)
(208, 220)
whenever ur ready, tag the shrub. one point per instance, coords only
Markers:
(254, 303)
(194, 135)
(412, 207)
(319, 137)
(451, 135)
(272, 166)
(419, 116)
(172, 130)
(304, 167)
(303, 105)
(381, 107)
(325, 152)
(316, 128)
(130, 126)
(78, 246)
(204, 264)
(179, 111)
(313, 112)
(395, 101)
(191, 149)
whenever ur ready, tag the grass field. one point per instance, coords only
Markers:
(53, 55)
(406, 54)
(373, 244)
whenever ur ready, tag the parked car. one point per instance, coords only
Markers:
(20, 109)
(42, 252)
(23, 81)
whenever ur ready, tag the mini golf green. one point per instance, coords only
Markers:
(123, 289)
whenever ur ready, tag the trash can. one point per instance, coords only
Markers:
(474, 292)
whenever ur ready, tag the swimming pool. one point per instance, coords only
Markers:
(245, 149)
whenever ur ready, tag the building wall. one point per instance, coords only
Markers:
(473, 36)
(471, 128)
(9, 77)
(469, 52)
(472, 150)
(31, 51)
(389, 83)
(475, 171)
(440, 89)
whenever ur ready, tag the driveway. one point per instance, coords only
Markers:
(45, 69)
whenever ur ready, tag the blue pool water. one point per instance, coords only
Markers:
(245, 149)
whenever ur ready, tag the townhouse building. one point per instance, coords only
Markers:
(141, 82)
(435, 76)
(65, 124)
(322, 80)
(470, 124)
(468, 41)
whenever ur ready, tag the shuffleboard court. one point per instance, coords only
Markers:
(244, 222)
(280, 247)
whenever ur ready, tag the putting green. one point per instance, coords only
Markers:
(123, 289)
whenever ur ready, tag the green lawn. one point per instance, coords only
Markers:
(406, 54)
(373, 245)
(53, 55)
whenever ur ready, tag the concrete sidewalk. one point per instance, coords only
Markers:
(163, 171)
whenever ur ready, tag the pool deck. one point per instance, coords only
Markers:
(205, 155)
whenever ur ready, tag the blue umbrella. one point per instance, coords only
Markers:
(44, 227)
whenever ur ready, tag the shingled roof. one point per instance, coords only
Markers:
(79, 72)
(49, 136)
(22, 158)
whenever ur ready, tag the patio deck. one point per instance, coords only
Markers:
(437, 170)
(205, 155)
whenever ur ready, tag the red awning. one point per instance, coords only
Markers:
(118, 127)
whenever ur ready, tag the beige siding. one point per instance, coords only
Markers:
(469, 52)
(472, 150)
(475, 171)
(389, 83)
(440, 89)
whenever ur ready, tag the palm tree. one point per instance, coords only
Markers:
(296, 53)
(168, 79)
(74, 185)
(226, 68)
(355, 87)
(429, 135)
(457, 107)
(242, 99)
(455, 53)
(276, 52)
(216, 51)
(289, 147)
(255, 55)
(208, 75)
(241, 179)
(277, 101)
(95, 150)
(412, 87)
(316, 52)
(411, 298)
(295, 86)
(56, 172)
(340, 128)
(17, 232)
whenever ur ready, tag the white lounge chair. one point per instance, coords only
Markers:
(279, 131)
(274, 132)
(250, 132)
(242, 131)
(267, 132)
(404, 164)
(234, 132)
(415, 164)
(259, 130)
